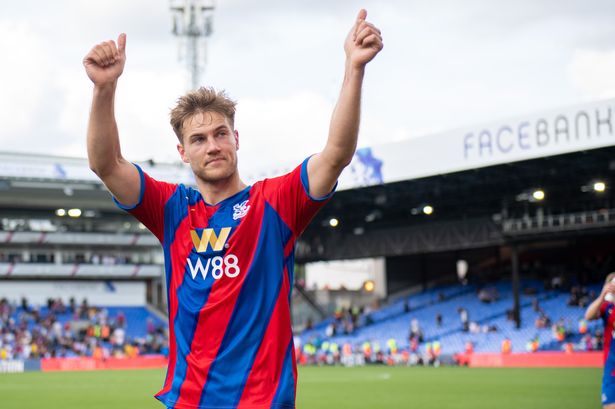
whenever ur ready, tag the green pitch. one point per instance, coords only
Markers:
(369, 387)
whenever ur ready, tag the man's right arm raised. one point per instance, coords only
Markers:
(104, 64)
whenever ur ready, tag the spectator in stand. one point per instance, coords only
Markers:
(559, 330)
(506, 346)
(429, 357)
(348, 327)
(543, 321)
(415, 330)
(573, 300)
(24, 304)
(587, 342)
(585, 297)
(598, 339)
(150, 326)
(391, 346)
(439, 320)
(330, 331)
(557, 282)
(488, 295)
(535, 304)
(366, 347)
(414, 345)
(120, 320)
(582, 327)
(533, 345)
(463, 316)
(407, 305)
(474, 328)
(84, 309)
(355, 313)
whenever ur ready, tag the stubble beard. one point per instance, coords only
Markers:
(217, 176)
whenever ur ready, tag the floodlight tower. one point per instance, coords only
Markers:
(192, 25)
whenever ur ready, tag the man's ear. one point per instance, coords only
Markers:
(236, 139)
(182, 153)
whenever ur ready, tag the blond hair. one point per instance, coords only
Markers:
(203, 99)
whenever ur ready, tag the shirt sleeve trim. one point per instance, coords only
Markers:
(306, 183)
(141, 192)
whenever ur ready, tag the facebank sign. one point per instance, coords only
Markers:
(556, 132)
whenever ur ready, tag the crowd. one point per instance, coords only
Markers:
(72, 330)
(580, 296)
(325, 352)
(347, 320)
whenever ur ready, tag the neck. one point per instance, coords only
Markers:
(215, 192)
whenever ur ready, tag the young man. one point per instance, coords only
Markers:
(602, 307)
(228, 247)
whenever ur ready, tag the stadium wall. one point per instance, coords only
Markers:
(91, 364)
(82, 364)
(533, 360)
(20, 365)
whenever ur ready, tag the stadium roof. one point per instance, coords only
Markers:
(473, 208)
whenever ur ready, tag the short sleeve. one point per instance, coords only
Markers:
(604, 308)
(149, 209)
(289, 196)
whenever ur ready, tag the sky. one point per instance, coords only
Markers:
(445, 64)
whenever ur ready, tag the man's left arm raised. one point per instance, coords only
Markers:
(362, 44)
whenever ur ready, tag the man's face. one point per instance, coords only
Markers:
(210, 146)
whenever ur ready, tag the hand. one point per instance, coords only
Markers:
(363, 42)
(608, 288)
(105, 62)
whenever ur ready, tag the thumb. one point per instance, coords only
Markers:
(362, 15)
(121, 44)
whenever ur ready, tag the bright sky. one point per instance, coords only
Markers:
(445, 64)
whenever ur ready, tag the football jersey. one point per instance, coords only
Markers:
(229, 276)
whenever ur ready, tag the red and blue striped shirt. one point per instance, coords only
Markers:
(229, 276)
(608, 319)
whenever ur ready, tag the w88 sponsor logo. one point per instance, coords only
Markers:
(218, 265)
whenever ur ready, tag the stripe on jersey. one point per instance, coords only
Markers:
(261, 384)
(290, 272)
(176, 223)
(608, 330)
(252, 312)
(194, 294)
(285, 395)
(216, 313)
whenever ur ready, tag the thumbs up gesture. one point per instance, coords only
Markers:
(363, 42)
(105, 61)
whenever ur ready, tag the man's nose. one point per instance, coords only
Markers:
(213, 146)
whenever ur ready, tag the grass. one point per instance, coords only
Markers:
(367, 387)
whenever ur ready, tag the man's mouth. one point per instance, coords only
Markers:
(215, 160)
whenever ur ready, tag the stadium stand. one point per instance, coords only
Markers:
(489, 322)
(57, 330)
